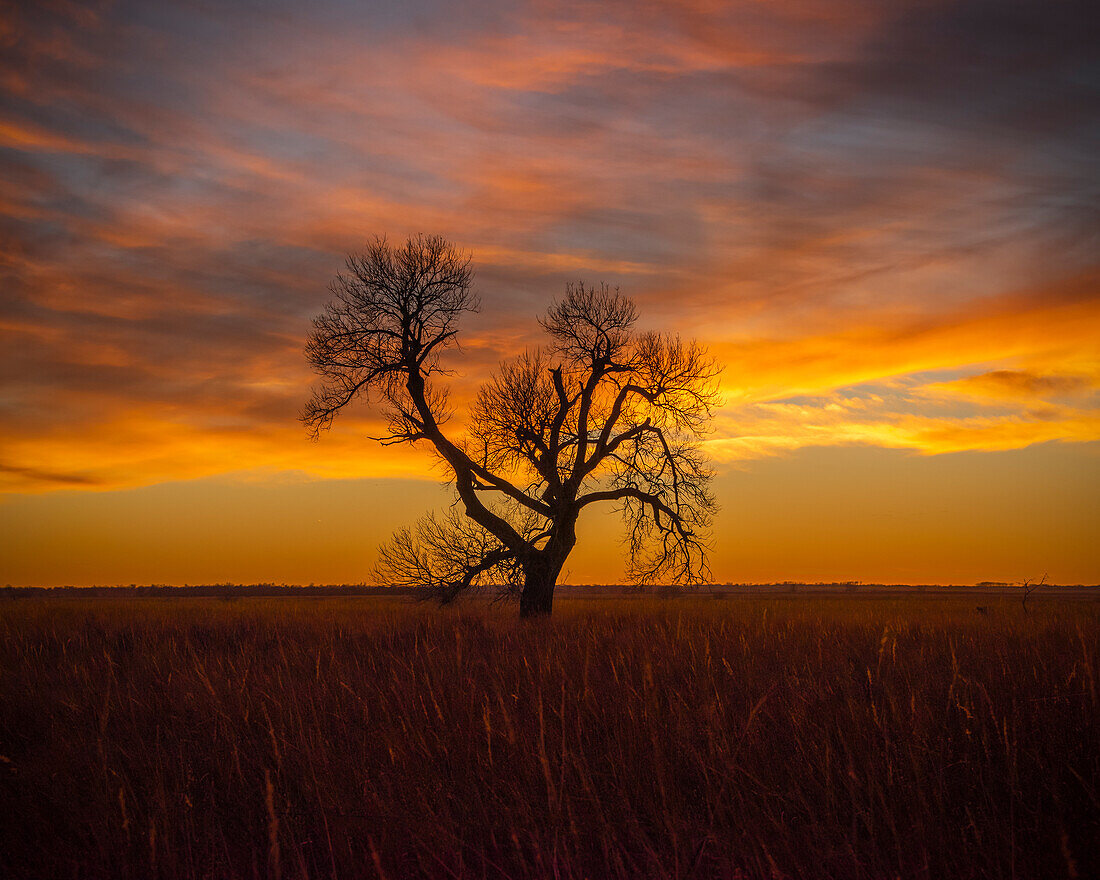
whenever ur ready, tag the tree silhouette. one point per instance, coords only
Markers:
(602, 414)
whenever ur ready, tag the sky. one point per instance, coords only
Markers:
(881, 217)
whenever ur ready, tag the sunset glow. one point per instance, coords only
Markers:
(882, 218)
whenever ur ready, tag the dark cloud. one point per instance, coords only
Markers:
(33, 475)
(1016, 383)
(974, 63)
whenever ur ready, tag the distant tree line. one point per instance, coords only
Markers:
(231, 591)
(209, 590)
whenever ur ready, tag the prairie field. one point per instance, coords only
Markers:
(902, 736)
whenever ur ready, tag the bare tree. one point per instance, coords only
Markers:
(1030, 586)
(602, 414)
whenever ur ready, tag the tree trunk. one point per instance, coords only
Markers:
(540, 577)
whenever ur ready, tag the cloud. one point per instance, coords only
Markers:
(762, 430)
(829, 194)
(1016, 384)
(1055, 325)
(18, 477)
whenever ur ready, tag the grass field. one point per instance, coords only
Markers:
(824, 736)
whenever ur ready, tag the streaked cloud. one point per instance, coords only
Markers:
(883, 217)
(1016, 384)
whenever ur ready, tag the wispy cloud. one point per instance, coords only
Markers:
(1017, 385)
(830, 194)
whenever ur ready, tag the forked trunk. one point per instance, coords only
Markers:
(540, 577)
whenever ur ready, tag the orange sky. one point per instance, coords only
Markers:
(882, 218)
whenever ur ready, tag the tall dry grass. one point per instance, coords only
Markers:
(800, 737)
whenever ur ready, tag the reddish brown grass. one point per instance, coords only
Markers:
(800, 737)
